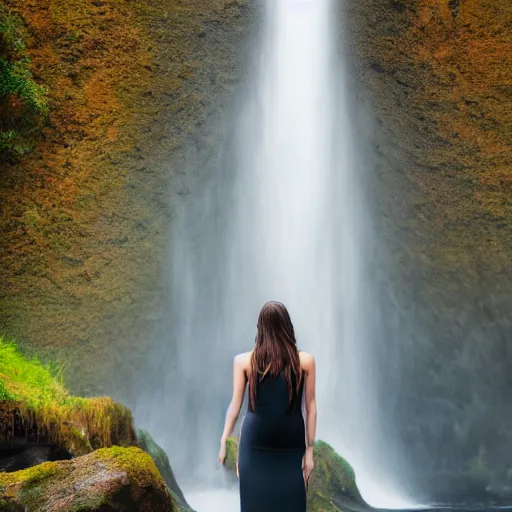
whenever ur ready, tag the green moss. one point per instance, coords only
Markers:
(10, 507)
(318, 502)
(36, 391)
(4, 394)
(147, 443)
(35, 474)
(231, 453)
(332, 481)
(28, 380)
(75, 36)
(335, 469)
(34, 481)
(138, 465)
(12, 34)
(122, 478)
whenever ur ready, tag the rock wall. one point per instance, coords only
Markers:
(85, 217)
(437, 78)
(138, 86)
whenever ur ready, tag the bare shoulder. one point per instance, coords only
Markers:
(243, 360)
(307, 361)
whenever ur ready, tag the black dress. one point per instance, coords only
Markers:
(272, 444)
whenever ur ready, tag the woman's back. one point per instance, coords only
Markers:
(275, 424)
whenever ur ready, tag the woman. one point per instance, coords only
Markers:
(275, 456)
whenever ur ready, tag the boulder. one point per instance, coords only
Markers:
(333, 483)
(231, 454)
(108, 479)
(147, 443)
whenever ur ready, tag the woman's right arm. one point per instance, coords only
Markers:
(309, 366)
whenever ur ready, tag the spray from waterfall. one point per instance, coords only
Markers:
(284, 220)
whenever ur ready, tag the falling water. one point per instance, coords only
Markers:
(284, 219)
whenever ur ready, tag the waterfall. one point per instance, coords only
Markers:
(283, 218)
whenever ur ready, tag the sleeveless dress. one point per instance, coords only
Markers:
(272, 444)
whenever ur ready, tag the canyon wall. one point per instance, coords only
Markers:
(85, 217)
(437, 77)
(139, 90)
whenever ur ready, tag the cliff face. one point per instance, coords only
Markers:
(438, 77)
(441, 72)
(136, 85)
(84, 218)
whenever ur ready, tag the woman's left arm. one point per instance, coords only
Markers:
(239, 383)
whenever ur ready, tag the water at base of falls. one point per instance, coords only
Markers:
(214, 500)
(227, 500)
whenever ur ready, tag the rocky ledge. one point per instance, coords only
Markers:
(64, 453)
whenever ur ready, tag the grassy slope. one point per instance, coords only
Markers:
(80, 425)
(77, 424)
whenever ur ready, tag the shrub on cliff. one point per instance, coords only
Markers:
(23, 103)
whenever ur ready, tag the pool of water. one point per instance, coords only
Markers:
(227, 500)
(214, 500)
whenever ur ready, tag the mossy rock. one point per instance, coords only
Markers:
(333, 485)
(35, 406)
(113, 478)
(231, 454)
(147, 443)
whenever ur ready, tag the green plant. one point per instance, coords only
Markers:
(12, 34)
(7, 139)
(23, 103)
(75, 36)
(4, 394)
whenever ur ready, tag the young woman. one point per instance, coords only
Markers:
(275, 453)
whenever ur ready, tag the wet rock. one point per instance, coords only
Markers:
(147, 443)
(21, 454)
(107, 479)
(333, 482)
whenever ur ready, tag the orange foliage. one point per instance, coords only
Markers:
(444, 85)
(470, 58)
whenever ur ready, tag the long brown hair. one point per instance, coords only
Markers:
(275, 351)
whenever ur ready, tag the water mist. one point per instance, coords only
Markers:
(285, 219)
